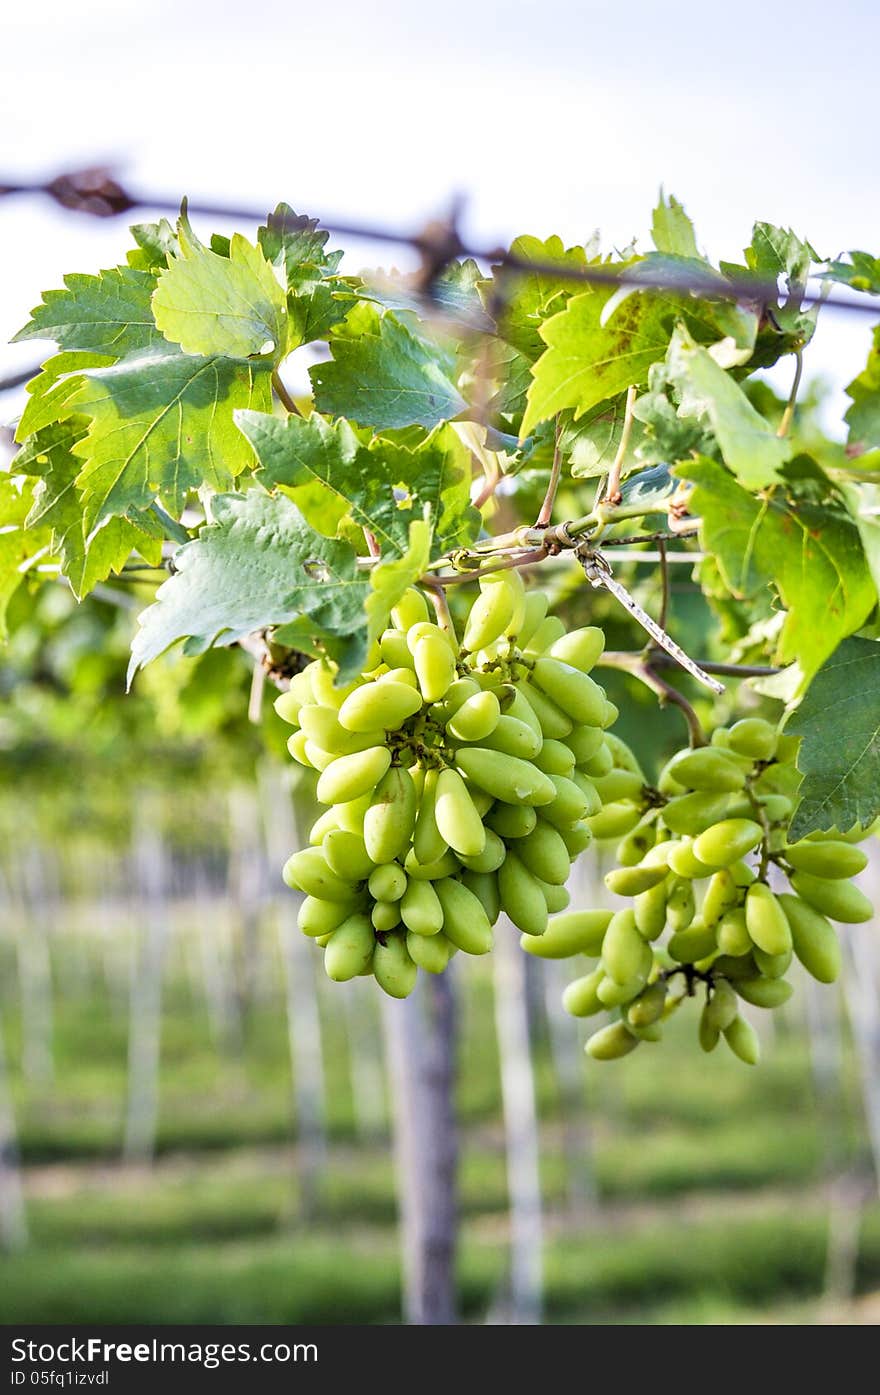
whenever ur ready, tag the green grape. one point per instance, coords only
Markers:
(350, 776)
(680, 904)
(350, 815)
(547, 633)
(753, 737)
(465, 922)
(385, 705)
(727, 841)
(429, 952)
(428, 842)
(683, 862)
(493, 610)
(732, 933)
(813, 939)
(722, 894)
(611, 1042)
(580, 649)
(632, 881)
(328, 821)
(574, 692)
(649, 909)
(614, 820)
(589, 792)
(346, 855)
(557, 897)
(350, 949)
(576, 838)
(307, 871)
(708, 1035)
(411, 609)
(569, 803)
(492, 856)
(296, 745)
(444, 866)
(457, 694)
(534, 612)
(574, 932)
(721, 1008)
(742, 1040)
(324, 686)
(693, 944)
(420, 908)
(618, 784)
(633, 847)
(515, 705)
(707, 769)
(600, 766)
(385, 915)
(612, 994)
(512, 737)
(435, 665)
(584, 742)
(395, 971)
(579, 998)
(554, 723)
(511, 821)
(476, 718)
(484, 885)
(390, 819)
(505, 777)
(766, 921)
(831, 861)
(324, 729)
(521, 897)
(318, 917)
(394, 649)
(317, 758)
(690, 814)
(458, 822)
(387, 883)
(838, 900)
(648, 1007)
(764, 992)
(554, 758)
(772, 965)
(545, 854)
(622, 947)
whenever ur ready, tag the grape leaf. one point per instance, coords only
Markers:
(591, 442)
(292, 242)
(391, 577)
(384, 376)
(810, 552)
(107, 314)
(257, 563)
(19, 543)
(672, 230)
(586, 362)
(773, 253)
(343, 484)
(156, 242)
(57, 505)
(862, 272)
(527, 298)
(210, 304)
(53, 389)
(160, 425)
(707, 393)
(863, 417)
(838, 722)
(863, 501)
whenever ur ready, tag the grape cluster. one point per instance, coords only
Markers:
(696, 860)
(460, 781)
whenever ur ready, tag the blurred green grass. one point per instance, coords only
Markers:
(709, 1199)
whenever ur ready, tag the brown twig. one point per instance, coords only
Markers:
(284, 396)
(664, 582)
(612, 491)
(638, 667)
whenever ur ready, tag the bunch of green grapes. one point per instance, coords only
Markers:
(697, 862)
(460, 779)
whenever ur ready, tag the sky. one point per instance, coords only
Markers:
(555, 116)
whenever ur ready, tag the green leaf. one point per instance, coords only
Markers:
(162, 425)
(384, 376)
(107, 314)
(586, 362)
(292, 242)
(707, 393)
(209, 304)
(863, 416)
(810, 552)
(53, 389)
(592, 442)
(257, 563)
(863, 501)
(19, 543)
(773, 253)
(57, 505)
(344, 485)
(528, 298)
(391, 577)
(862, 272)
(666, 435)
(672, 230)
(838, 722)
(156, 242)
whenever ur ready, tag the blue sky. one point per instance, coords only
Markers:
(548, 117)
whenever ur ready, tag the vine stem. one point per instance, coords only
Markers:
(524, 559)
(612, 492)
(493, 477)
(788, 414)
(283, 395)
(546, 511)
(441, 606)
(641, 668)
